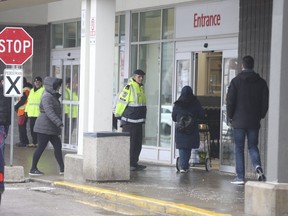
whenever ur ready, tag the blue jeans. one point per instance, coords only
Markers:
(239, 138)
(184, 155)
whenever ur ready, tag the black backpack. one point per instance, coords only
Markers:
(186, 123)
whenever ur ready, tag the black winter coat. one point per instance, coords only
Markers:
(5, 108)
(187, 141)
(50, 119)
(247, 100)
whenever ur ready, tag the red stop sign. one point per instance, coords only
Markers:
(16, 46)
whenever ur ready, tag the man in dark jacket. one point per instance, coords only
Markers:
(5, 115)
(247, 103)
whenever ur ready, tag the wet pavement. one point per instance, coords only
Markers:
(210, 191)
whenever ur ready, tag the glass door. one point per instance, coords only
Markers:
(183, 72)
(183, 77)
(227, 162)
(70, 102)
(69, 70)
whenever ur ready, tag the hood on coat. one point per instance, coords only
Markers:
(51, 84)
(186, 96)
(250, 76)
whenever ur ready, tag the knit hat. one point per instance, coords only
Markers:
(139, 72)
(38, 79)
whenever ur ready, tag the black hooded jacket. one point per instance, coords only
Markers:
(187, 102)
(247, 100)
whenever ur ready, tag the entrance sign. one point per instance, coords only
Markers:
(16, 46)
(209, 19)
(13, 82)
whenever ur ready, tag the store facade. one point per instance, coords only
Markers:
(192, 44)
(176, 43)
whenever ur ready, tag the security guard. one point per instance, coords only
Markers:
(131, 109)
(20, 109)
(32, 109)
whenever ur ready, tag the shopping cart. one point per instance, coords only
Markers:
(200, 156)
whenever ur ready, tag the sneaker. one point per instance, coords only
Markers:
(260, 174)
(183, 170)
(237, 181)
(140, 167)
(61, 173)
(132, 168)
(31, 145)
(35, 172)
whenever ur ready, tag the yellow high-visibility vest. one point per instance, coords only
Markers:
(131, 105)
(33, 102)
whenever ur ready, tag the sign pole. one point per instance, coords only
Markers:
(12, 131)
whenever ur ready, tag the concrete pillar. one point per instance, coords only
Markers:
(97, 65)
(106, 156)
(271, 198)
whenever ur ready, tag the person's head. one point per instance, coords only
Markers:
(247, 62)
(138, 76)
(57, 84)
(38, 82)
(186, 95)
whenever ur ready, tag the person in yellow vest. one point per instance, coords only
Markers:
(22, 119)
(32, 109)
(67, 95)
(131, 109)
(74, 113)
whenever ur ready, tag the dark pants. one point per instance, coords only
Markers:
(185, 155)
(33, 134)
(43, 140)
(23, 131)
(135, 131)
(252, 141)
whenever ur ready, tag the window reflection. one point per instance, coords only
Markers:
(150, 25)
(166, 94)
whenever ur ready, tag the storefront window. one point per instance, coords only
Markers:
(70, 34)
(134, 27)
(134, 55)
(57, 36)
(168, 24)
(148, 62)
(78, 33)
(150, 25)
(155, 56)
(120, 29)
(166, 94)
(66, 35)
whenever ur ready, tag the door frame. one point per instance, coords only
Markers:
(226, 54)
(57, 70)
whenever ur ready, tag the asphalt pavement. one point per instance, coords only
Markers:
(158, 188)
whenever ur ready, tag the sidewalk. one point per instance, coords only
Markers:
(159, 186)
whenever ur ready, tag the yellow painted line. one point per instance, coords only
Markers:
(144, 202)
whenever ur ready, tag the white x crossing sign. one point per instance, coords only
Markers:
(13, 82)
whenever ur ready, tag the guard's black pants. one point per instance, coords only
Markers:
(135, 131)
(23, 132)
(33, 134)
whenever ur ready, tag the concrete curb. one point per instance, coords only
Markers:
(149, 204)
